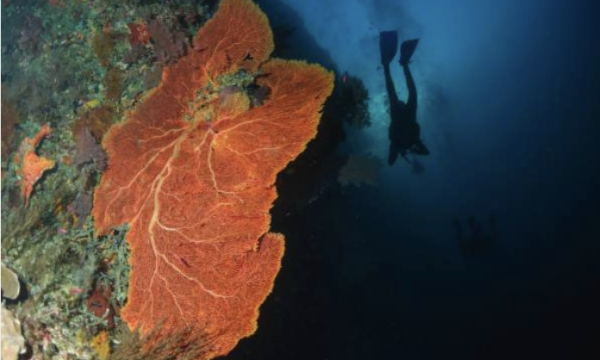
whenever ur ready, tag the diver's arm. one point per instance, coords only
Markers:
(412, 89)
(389, 84)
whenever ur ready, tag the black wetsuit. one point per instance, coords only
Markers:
(404, 131)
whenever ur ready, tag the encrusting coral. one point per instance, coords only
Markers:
(31, 167)
(169, 43)
(10, 119)
(13, 342)
(89, 150)
(101, 345)
(10, 283)
(194, 180)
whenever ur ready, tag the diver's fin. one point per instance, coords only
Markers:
(420, 149)
(406, 51)
(388, 45)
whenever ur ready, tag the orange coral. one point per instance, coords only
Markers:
(194, 180)
(139, 34)
(101, 345)
(30, 166)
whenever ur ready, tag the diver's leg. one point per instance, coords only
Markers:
(388, 45)
(389, 84)
(412, 89)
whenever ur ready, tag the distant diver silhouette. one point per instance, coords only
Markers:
(477, 242)
(404, 131)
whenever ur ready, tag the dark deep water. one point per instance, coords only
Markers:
(509, 106)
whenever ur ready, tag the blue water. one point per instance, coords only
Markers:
(509, 106)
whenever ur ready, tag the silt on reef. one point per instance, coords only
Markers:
(13, 342)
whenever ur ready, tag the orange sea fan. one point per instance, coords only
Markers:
(194, 180)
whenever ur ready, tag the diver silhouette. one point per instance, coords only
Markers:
(404, 131)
